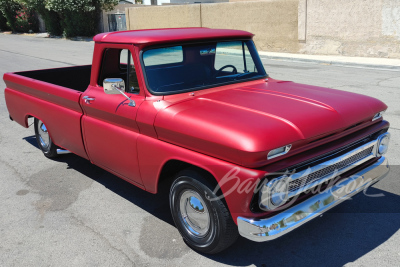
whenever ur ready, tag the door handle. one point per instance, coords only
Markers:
(88, 99)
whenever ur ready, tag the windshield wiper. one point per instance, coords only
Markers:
(242, 74)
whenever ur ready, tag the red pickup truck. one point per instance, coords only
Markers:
(243, 153)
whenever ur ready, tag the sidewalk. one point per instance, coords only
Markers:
(361, 62)
(46, 35)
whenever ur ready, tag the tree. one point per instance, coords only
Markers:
(3, 23)
(71, 17)
(9, 10)
(52, 19)
(20, 17)
(80, 17)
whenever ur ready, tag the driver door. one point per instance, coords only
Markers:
(109, 124)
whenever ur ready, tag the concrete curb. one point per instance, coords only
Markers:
(46, 35)
(373, 63)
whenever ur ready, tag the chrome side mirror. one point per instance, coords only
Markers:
(108, 85)
(114, 86)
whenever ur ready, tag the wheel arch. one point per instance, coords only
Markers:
(28, 115)
(160, 160)
(173, 166)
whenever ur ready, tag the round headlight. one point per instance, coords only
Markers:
(274, 194)
(279, 193)
(383, 143)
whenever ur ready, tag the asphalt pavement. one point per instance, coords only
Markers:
(68, 212)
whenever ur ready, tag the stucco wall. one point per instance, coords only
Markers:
(274, 22)
(327, 27)
(163, 17)
(353, 28)
(185, 2)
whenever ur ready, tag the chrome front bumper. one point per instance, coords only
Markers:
(260, 230)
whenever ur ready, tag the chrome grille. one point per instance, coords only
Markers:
(328, 170)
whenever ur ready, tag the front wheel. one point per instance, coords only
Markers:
(43, 139)
(203, 220)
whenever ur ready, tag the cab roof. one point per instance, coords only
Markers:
(157, 36)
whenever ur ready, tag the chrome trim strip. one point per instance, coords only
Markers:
(62, 151)
(331, 162)
(260, 230)
(378, 115)
(287, 148)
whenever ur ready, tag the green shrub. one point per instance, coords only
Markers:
(9, 10)
(80, 17)
(26, 20)
(52, 22)
(20, 18)
(51, 19)
(3, 23)
(78, 23)
(73, 17)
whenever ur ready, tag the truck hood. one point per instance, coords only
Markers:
(241, 124)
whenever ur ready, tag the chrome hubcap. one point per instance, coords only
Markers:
(194, 213)
(44, 137)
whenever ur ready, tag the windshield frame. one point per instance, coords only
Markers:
(257, 62)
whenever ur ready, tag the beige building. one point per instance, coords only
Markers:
(341, 27)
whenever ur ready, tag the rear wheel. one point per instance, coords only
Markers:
(43, 139)
(203, 221)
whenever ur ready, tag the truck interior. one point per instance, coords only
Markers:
(175, 69)
(118, 63)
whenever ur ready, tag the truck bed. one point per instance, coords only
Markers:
(52, 96)
(76, 78)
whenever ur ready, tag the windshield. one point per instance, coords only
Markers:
(182, 68)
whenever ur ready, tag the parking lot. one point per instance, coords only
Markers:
(68, 212)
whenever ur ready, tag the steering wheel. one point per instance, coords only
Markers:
(234, 70)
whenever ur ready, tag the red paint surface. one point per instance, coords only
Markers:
(156, 36)
(217, 129)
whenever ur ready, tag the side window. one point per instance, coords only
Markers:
(123, 58)
(249, 63)
(126, 62)
(118, 63)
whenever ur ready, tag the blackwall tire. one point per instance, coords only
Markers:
(205, 225)
(43, 139)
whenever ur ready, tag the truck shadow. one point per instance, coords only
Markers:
(344, 234)
(156, 204)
